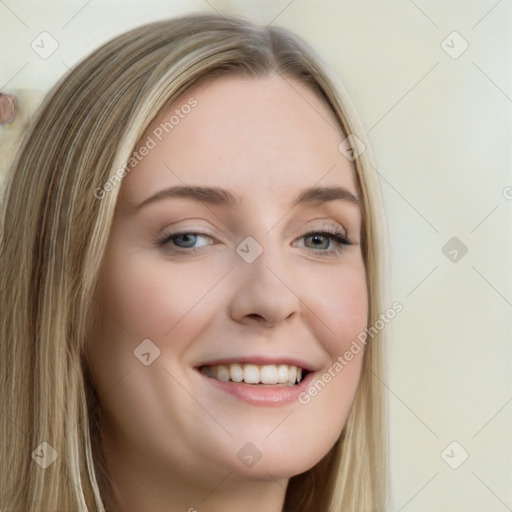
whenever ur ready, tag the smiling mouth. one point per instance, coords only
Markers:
(269, 374)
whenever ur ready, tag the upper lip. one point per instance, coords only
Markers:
(260, 361)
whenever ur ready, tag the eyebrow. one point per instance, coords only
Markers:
(225, 197)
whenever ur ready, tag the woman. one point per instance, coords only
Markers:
(145, 372)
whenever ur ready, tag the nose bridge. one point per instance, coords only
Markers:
(263, 252)
(255, 253)
(262, 245)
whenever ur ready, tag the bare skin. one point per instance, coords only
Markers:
(173, 436)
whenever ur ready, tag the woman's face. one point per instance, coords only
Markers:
(197, 289)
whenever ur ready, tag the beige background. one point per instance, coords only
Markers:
(441, 130)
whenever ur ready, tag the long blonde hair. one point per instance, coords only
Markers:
(55, 230)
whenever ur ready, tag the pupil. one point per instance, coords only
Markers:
(185, 236)
(317, 238)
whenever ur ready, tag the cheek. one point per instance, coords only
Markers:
(340, 302)
(342, 308)
(153, 299)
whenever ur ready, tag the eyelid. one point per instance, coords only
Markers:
(326, 223)
(299, 225)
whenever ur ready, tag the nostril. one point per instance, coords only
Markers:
(261, 319)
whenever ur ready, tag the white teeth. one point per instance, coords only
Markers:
(223, 373)
(268, 374)
(236, 372)
(254, 374)
(282, 373)
(251, 374)
(292, 374)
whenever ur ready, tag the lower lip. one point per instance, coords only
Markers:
(264, 395)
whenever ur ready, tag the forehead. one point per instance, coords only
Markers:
(261, 137)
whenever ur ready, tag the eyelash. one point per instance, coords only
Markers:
(332, 234)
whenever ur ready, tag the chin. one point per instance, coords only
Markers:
(277, 457)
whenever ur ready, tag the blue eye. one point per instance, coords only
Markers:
(185, 241)
(336, 238)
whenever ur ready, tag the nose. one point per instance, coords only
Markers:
(265, 294)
